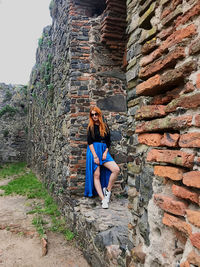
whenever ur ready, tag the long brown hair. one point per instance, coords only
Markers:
(102, 125)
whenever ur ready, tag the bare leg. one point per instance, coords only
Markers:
(97, 183)
(113, 167)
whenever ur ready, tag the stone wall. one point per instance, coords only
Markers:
(13, 127)
(163, 131)
(76, 67)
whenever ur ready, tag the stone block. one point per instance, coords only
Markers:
(194, 47)
(170, 205)
(172, 15)
(175, 157)
(172, 173)
(149, 46)
(150, 111)
(185, 193)
(177, 223)
(193, 217)
(147, 35)
(192, 179)
(144, 20)
(190, 140)
(116, 103)
(175, 123)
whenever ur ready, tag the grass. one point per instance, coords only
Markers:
(11, 169)
(27, 184)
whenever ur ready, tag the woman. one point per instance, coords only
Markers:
(101, 169)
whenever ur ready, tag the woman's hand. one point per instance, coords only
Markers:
(104, 155)
(96, 160)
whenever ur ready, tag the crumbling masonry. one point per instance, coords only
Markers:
(139, 62)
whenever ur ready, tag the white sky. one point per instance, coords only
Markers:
(21, 25)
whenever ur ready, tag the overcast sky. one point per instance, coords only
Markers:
(21, 25)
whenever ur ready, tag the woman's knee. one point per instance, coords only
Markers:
(97, 175)
(116, 170)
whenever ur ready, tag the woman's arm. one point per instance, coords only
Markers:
(96, 159)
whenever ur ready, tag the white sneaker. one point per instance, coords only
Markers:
(104, 203)
(107, 194)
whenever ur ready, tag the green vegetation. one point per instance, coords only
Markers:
(28, 185)
(5, 133)
(11, 169)
(8, 109)
(8, 96)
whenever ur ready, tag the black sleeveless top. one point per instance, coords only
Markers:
(97, 137)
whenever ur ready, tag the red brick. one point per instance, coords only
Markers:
(193, 217)
(167, 97)
(150, 85)
(192, 179)
(185, 264)
(189, 87)
(150, 139)
(182, 192)
(195, 240)
(193, 258)
(158, 83)
(149, 46)
(195, 10)
(165, 33)
(173, 173)
(198, 81)
(190, 140)
(175, 3)
(178, 224)
(168, 61)
(170, 205)
(197, 120)
(170, 140)
(175, 123)
(150, 111)
(175, 38)
(165, 13)
(180, 236)
(184, 101)
(194, 47)
(171, 156)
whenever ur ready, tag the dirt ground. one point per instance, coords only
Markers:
(20, 245)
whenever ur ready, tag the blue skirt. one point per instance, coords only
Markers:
(91, 167)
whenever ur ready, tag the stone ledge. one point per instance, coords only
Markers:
(99, 230)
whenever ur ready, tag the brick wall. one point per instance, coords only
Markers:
(74, 70)
(163, 132)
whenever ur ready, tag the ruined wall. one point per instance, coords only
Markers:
(13, 126)
(163, 131)
(76, 67)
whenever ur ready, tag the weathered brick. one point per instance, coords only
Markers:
(197, 120)
(192, 179)
(165, 33)
(175, 123)
(194, 47)
(165, 13)
(185, 193)
(149, 46)
(172, 15)
(170, 205)
(167, 61)
(150, 111)
(184, 101)
(195, 240)
(171, 156)
(195, 10)
(193, 217)
(170, 140)
(185, 264)
(178, 224)
(175, 38)
(193, 258)
(198, 81)
(167, 97)
(172, 173)
(190, 140)
(180, 236)
(160, 83)
(150, 139)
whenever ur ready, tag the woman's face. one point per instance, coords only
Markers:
(95, 116)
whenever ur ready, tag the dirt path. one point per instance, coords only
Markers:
(20, 245)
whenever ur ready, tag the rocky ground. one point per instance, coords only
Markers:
(20, 243)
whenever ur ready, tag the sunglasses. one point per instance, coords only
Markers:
(94, 114)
